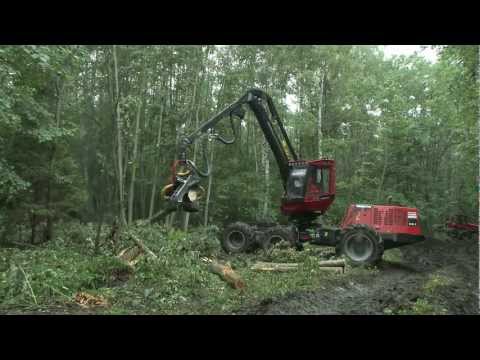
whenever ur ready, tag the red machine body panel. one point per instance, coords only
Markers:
(384, 219)
(319, 190)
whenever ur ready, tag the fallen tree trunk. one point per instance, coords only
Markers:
(143, 246)
(19, 245)
(337, 266)
(161, 213)
(227, 274)
(131, 255)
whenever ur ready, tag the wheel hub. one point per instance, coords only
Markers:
(359, 247)
(236, 239)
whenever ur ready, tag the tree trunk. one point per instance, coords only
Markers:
(382, 179)
(157, 165)
(48, 230)
(323, 74)
(119, 140)
(254, 130)
(98, 233)
(131, 193)
(209, 189)
(195, 147)
(143, 246)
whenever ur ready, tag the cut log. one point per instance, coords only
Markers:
(339, 270)
(337, 266)
(143, 246)
(281, 267)
(227, 274)
(332, 263)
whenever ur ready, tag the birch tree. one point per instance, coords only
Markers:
(323, 75)
(119, 139)
(134, 166)
(209, 186)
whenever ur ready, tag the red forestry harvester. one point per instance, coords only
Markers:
(309, 190)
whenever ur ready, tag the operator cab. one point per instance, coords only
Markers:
(310, 187)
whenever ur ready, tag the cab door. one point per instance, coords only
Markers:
(318, 183)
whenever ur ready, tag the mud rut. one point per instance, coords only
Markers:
(395, 285)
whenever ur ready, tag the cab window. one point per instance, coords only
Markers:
(322, 179)
(296, 183)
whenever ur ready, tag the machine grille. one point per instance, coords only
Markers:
(377, 216)
(400, 217)
(389, 217)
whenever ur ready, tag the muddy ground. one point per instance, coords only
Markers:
(440, 276)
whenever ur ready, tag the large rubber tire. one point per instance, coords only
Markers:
(279, 234)
(237, 238)
(361, 245)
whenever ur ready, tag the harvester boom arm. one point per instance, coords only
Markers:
(254, 98)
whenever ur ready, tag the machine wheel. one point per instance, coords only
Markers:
(237, 238)
(277, 235)
(361, 245)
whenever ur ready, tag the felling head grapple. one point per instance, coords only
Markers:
(184, 191)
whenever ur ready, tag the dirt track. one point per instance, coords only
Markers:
(396, 286)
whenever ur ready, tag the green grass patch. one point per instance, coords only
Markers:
(178, 282)
(435, 282)
(393, 255)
